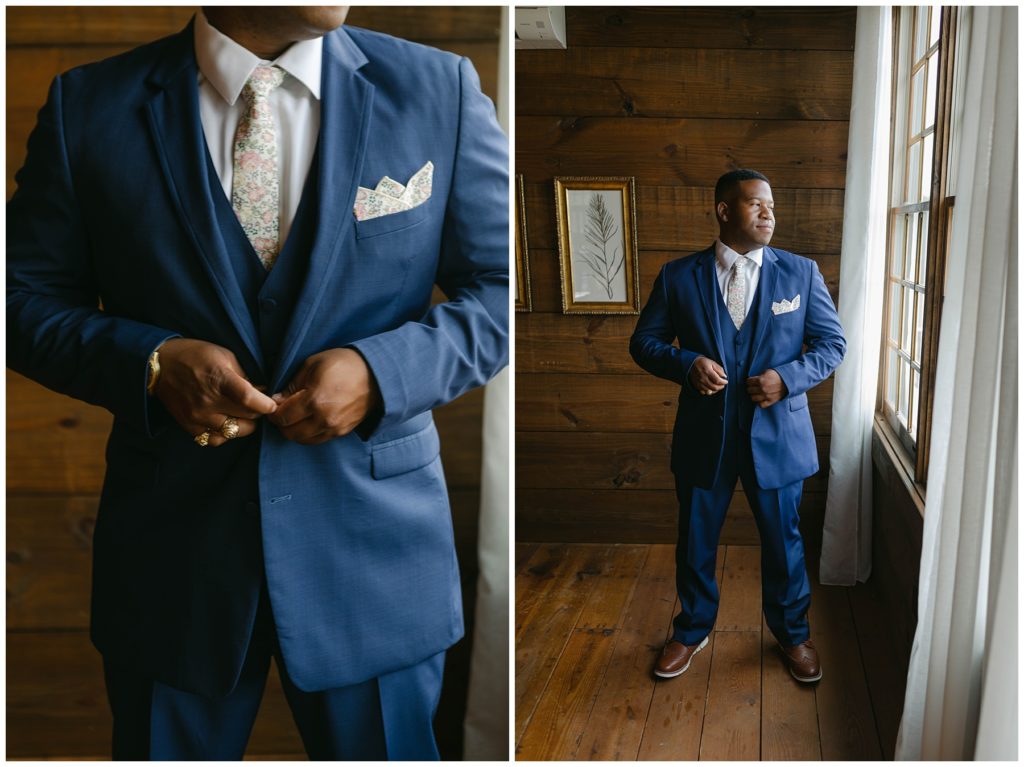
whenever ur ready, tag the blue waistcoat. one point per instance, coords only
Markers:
(269, 296)
(737, 345)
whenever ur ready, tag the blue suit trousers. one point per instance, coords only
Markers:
(388, 717)
(785, 588)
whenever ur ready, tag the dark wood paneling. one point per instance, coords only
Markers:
(554, 343)
(627, 461)
(673, 96)
(634, 516)
(761, 28)
(662, 82)
(682, 151)
(619, 403)
(681, 218)
(84, 26)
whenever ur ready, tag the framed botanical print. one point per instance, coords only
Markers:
(522, 272)
(597, 245)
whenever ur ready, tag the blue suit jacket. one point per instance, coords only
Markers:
(804, 346)
(354, 536)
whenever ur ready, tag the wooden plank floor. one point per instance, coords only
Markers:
(590, 622)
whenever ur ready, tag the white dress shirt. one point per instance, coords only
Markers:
(224, 68)
(725, 257)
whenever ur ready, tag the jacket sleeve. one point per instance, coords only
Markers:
(823, 339)
(463, 342)
(651, 344)
(57, 334)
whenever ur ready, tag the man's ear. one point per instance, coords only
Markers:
(722, 209)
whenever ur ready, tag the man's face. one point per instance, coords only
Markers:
(747, 218)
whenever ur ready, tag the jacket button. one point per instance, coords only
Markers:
(268, 305)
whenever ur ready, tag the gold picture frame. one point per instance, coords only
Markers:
(522, 274)
(597, 244)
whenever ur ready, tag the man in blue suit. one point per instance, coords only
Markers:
(229, 239)
(756, 328)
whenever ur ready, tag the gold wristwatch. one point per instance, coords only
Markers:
(154, 373)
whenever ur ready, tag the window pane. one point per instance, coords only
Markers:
(891, 375)
(926, 167)
(912, 227)
(910, 254)
(921, 32)
(907, 320)
(913, 172)
(899, 227)
(933, 84)
(917, 102)
(904, 387)
(918, 328)
(922, 251)
(933, 35)
(895, 312)
(915, 386)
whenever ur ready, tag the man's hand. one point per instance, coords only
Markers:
(330, 396)
(766, 389)
(201, 384)
(707, 376)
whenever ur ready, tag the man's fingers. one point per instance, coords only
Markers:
(243, 393)
(292, 410)
(214, 424)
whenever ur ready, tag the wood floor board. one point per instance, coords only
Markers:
(604, 614)
(616, 724)
(789, 714)
(732, 719)
(676, 717)
(845, 718)
(740, 601)
(543, 637)
(555, 729)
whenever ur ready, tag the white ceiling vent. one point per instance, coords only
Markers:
(540, 27)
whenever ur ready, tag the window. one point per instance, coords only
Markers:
(920, 204)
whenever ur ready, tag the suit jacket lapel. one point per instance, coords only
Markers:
(707, 287)
(173, 116)
(345, 109)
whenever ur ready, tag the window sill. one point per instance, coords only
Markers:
(900, 461)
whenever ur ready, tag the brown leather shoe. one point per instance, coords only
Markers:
(802, 660)
(675, 658)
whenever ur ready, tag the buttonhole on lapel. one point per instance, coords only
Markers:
(281, 498)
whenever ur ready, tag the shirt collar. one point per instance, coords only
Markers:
(726, 256)
(228, 65)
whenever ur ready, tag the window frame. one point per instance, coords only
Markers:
(939, 207)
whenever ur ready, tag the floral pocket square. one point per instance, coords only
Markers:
(391, 197)
(783, 306)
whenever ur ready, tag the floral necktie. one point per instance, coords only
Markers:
(254, 188)
(737, 292)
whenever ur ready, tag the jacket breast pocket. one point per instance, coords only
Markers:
(391, 222)
(405, 454)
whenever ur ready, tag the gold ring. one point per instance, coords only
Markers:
(229, 429)
(202, 439)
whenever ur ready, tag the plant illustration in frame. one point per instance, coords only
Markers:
(597, 245)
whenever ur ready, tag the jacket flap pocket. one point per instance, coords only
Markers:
(405, 453)
(798, 402)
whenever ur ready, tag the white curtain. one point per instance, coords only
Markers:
(486, 724)
(961, 698)
(846, 541)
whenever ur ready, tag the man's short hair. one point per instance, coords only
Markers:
(728, 181)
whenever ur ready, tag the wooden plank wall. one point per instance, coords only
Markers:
(674, 97)
(55, 697)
